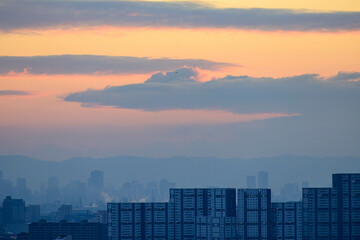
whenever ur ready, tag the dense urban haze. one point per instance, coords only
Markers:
(179, 120)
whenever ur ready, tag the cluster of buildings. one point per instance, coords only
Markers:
(212, 214)
(51, 195)
(243, 214)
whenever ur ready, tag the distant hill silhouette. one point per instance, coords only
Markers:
(185, 171)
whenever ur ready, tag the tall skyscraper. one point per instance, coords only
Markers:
(250, 182)
(348, 205)
(263, 179)
(52, 191)
(286, 220)
(254, 214)
(208, 213)
(320, 214)
(96, 180)
(21, 189)
(137, 221)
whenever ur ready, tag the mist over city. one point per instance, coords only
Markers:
(179, 120)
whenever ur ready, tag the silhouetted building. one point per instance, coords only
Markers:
(32, 213)
(263, 179)
(137, 221)
(286, 220)
(250, 182)
(333, 213)
(101, 216)
(208, 213)
(53, 190)
(254, 214)
(96, 180)
(13, 211)
(13, 215)
(6, 188)
(347, 187)
(21, 236)
(84, 230)
(320, 214)
(74, 192)
(64, 212)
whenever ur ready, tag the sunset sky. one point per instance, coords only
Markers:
(230, 78)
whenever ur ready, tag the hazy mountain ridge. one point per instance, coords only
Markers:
(185, 171)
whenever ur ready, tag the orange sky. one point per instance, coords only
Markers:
(258, 53)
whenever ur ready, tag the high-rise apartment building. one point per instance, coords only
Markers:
(286, 220)
(137, 221)
(320, 214)
(254, 214)
(348, 205)
(202, 213)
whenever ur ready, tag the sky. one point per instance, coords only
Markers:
(227, 79)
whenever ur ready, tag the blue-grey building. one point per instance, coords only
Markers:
(202, 213)
(137, 221)
(286, 220)
(84, 230)
(348, 205)
(254, 214)
(320, 214)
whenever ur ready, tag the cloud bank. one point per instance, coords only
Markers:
(91, 64)
(21, 14)
(180, 89)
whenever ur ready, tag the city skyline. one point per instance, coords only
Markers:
(201, 213)
(179, 120)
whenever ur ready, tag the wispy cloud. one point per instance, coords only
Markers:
(14, 93)
(180, 89)
(97, 64)
(23, 14)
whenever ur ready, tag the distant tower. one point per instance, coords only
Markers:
(263, 179)
(251, 182)
(96, 180)
(53, 191)
(21, 188)
(53, 182)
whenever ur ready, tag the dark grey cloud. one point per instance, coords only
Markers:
(17, 14)
(344, 76)
(14, 93)
(303, 94)
(89, 64)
